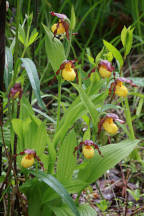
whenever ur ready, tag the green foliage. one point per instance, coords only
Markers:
(33, 78)
(115, 52)
(88, 104)
(48, 192)
(31, 132)
(78, 109)
(73, 19)
(112, 154)
(54, 49)
(103, 205)
(127, 39)
(135, 194)
(8, 66)
(86, 210)
(58, 187)
(66, 160)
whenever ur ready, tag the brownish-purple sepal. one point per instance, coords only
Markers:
(61, 16)
(107, 65)
(114, 117)
(122, 79)
(16, 91)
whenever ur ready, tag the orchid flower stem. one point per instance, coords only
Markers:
(129, 119)
(69, 45)
(17, 43)
(101, 195)
(134, 155)
(59, 101)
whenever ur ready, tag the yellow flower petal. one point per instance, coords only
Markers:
(88, 152)
(27, 161)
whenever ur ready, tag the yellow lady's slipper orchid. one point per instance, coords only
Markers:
(88, 152)
(27, 160)
(68, 72)
(110, 126)
(58, 27)
(105, 68)
(121, 90)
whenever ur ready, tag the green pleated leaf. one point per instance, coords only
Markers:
(62, 211)
(90, 106)
(75, 185)
(73, 113)
(33, 78)
(78, 109)
(58, 187)
(66, 160)
(73, 18)
(127, 39)
(87, 210)
(54, 49)
(139, 81)
(111, 106)
(124, 36)
(112, 153)
(115, 52)
(31, 132)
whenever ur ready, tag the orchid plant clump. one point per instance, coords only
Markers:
(43, 159)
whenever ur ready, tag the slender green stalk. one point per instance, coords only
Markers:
(134, 155)
(129, 119)
(87, 13)
(17, 43)
(69, 45)
(29, 4)
(59, 101)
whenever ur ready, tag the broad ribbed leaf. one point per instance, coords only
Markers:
(78, 109)
(73, 18)
(62, 211)
(127, 39)
(124, 36)
(54, 49)
(112, 153)
(115, 52)
(139, 81)
(66, 160)
(58, 187)
(91, 108)
(87, 210)
(73, 113)
(32, 132)
(75, 185)
(33, 78)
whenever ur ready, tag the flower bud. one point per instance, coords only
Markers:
(110, 126)
(27, 160)
(16, 91)
(105, 68)
(68, 72)
(88, 152)
(121, 90)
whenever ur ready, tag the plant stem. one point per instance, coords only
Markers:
(134, 155)
(129, 119)
(69, 45)
(59, 101)
(2, 63)
(28, 10)
(17, 43)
